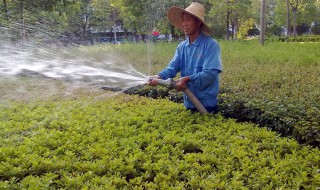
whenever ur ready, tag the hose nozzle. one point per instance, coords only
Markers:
(170, 83)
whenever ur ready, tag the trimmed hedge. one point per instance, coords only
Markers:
(130, 142)
(287, 120)
(275, 86)
(309, 38)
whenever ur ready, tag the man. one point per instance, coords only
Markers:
(197, 58)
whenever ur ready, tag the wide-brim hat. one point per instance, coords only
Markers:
(195, 9)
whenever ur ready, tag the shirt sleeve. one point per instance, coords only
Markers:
(173, 67)
(211, 67)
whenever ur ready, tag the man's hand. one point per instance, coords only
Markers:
(152, 80)
(181, 83)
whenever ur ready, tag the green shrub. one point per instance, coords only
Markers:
(309, 38)
(315, 29)
(130, 142)
(275, 86)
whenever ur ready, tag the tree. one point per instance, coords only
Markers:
(288, 17)
(232, 12)
(293, 13)
(132, 14)
(29, 18)
(294, 4)
(141, 16)
(5, 10)
(75, 18)
(262, 21)
(103, 14)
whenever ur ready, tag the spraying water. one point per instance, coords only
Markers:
(81, 66)
(40, 55)
(45, 63)
(89, 66)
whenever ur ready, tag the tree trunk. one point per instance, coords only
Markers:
(227, 23)
(236, 29)
(172, 32)
(294, 11)
(115, 33)
(288, 18)
(262, 21)
(232, 26)
(23, 27)
(84, 26)
(6, 10)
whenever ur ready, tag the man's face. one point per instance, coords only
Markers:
(190, 24)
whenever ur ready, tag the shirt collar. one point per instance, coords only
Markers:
(197, 41)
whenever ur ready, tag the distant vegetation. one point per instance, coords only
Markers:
(85, 22)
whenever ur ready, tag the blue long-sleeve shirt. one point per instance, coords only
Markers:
(200, 60)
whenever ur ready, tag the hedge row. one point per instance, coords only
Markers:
(297, 120)
(130, 142)
(310, 38)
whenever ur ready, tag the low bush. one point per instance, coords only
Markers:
(309, 38)
(275, 86)
(131, 142)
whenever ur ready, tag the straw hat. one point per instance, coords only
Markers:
(195, 9)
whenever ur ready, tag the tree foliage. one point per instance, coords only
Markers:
(232, 13)
(27, 18)
(300, 12)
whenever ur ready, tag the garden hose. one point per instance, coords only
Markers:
(171, 84)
